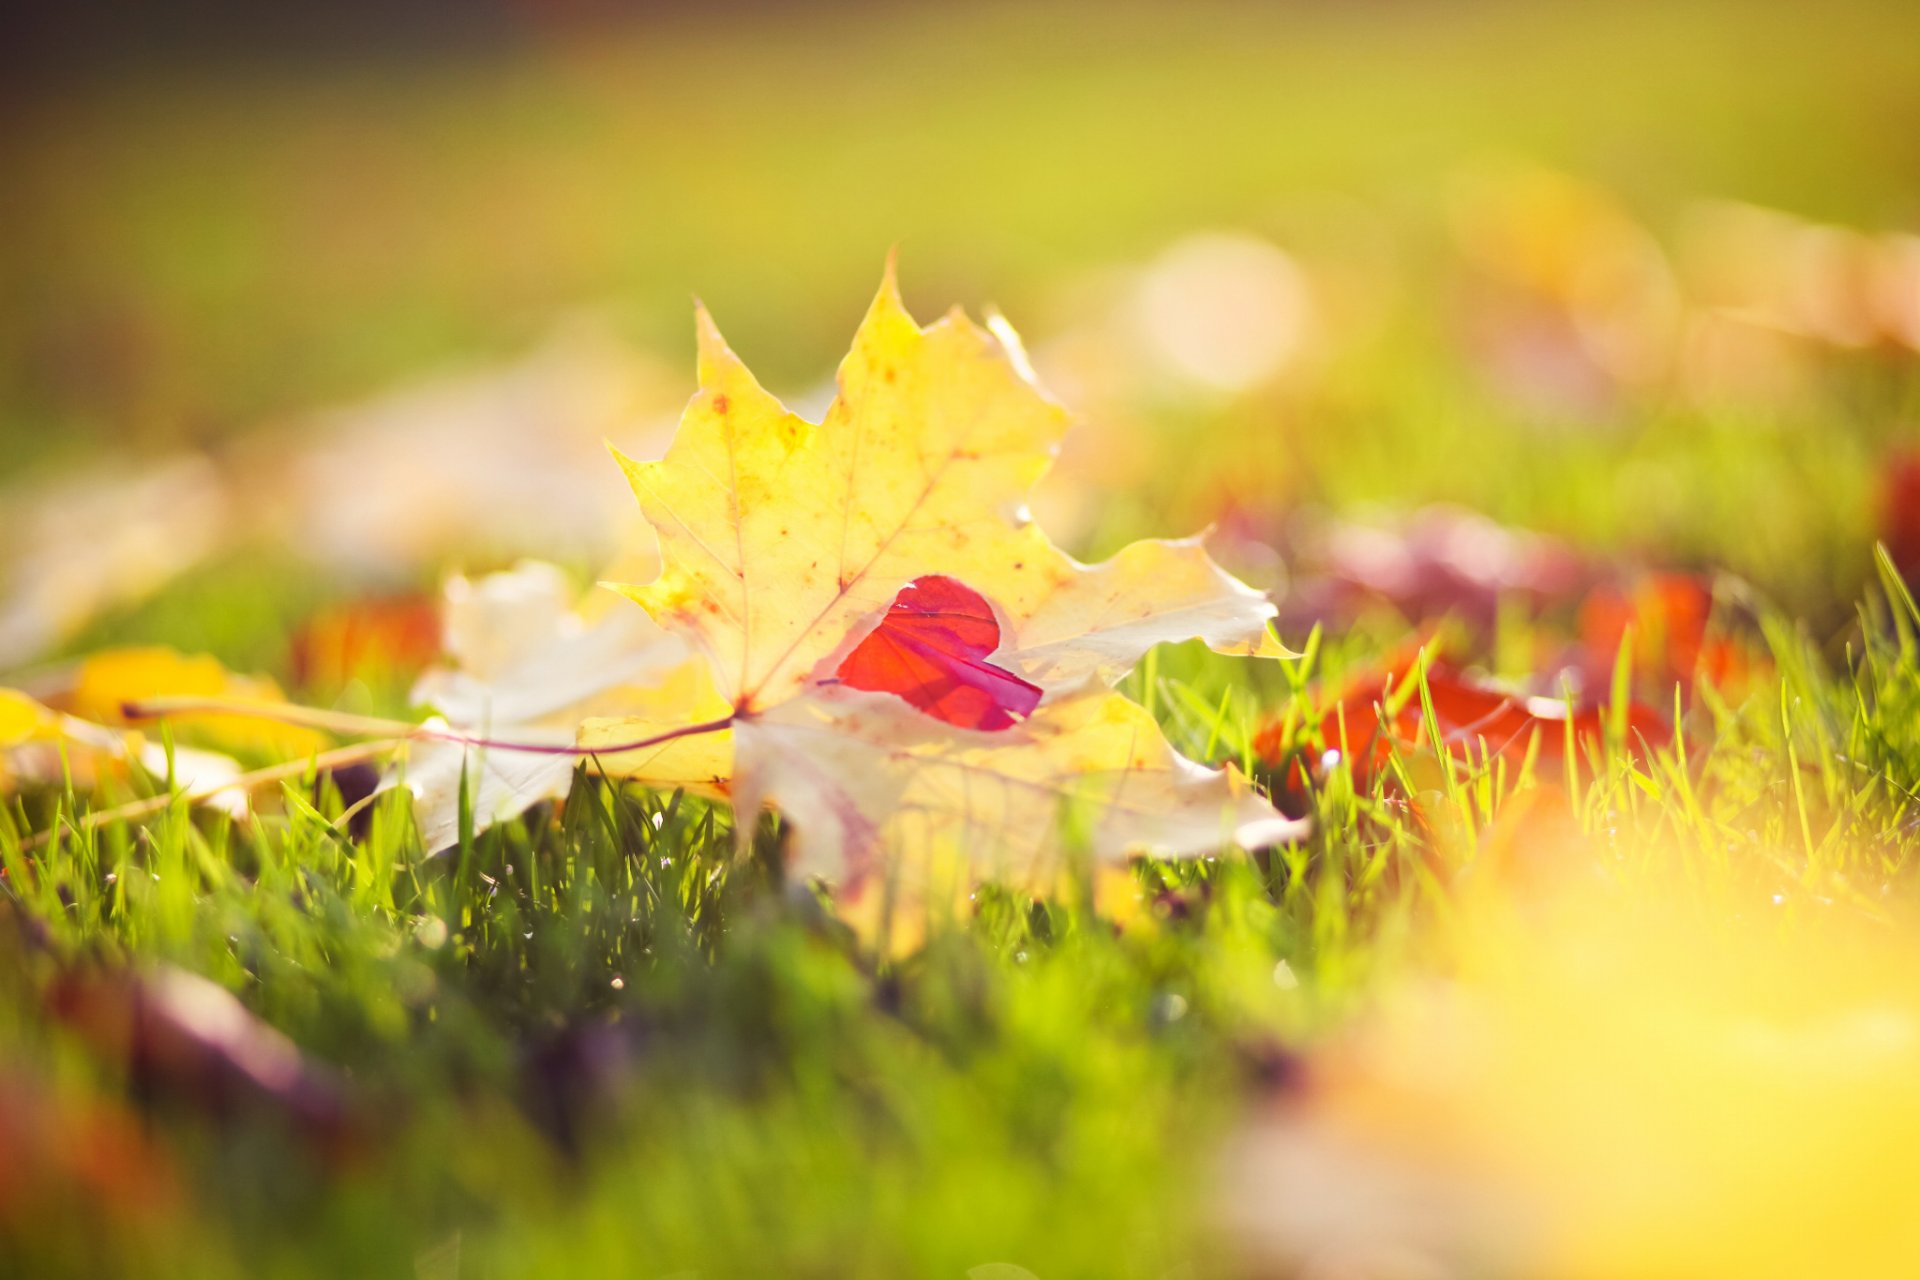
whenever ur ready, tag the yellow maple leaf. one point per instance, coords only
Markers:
(782, 541)
(784, 546)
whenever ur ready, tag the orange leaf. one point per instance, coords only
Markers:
(393, 635)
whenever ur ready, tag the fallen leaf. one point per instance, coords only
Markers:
(1570, 305)
(1900, 513)
(104, 683)
(105, 539)
(863, 774)
(45, 747)
(931, 650)
(530, 665)
(1606, 1076)
(1439, 561)
(784, 542)
(387, 636)
(904, 659)
(184, 1038)
(21, 718)
(515, 450)
(1381, 711)
(63, 1155)
(1669, 616)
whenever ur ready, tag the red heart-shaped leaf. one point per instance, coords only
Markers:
(931, 649)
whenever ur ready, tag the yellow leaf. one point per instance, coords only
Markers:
(782, 546)
(782, 542)
(42, 746)
(1117, 897)
(106, 682)
(21, 718)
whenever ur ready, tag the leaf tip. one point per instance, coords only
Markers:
(717, 362)
(887, 303)
(629, 466)
(1269, 645)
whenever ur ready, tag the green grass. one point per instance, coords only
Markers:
(599, 1041)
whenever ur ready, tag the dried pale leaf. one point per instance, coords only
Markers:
(181, 1036)
(1102, 621)
(501, 784)
(532, 667)
(525, 654)
(106, 538)
(197, 772)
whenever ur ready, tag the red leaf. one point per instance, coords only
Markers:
(931, 650)
(1669, 615)
(1473, 719)
(1900, 513)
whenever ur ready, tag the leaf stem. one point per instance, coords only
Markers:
(334, 759)
(347, 723)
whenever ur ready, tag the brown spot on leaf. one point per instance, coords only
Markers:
(721, 404)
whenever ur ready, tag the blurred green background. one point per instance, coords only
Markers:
(217, 222)
(204, 238)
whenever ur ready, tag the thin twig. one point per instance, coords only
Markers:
(135, 809)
